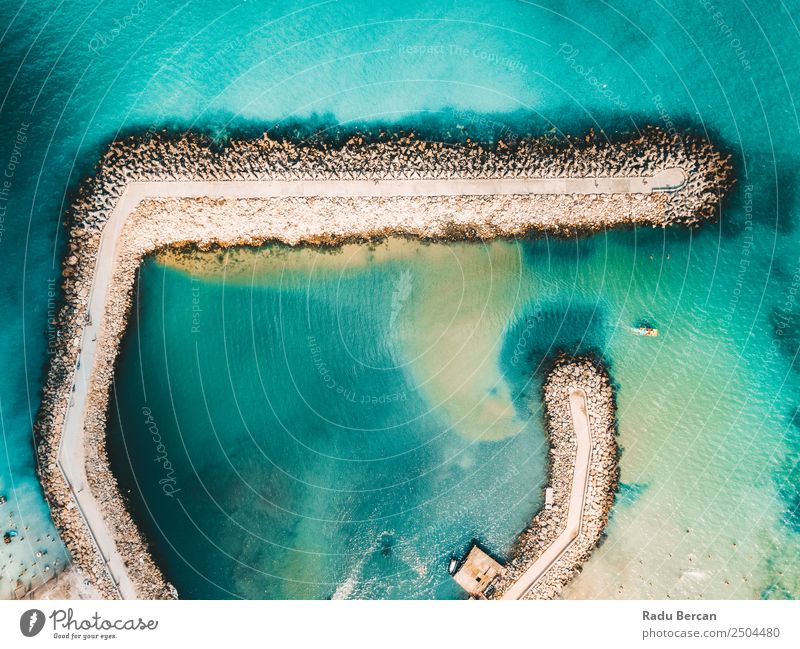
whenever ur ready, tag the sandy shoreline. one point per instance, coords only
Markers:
(110, 235)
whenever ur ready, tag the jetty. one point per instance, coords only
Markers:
(575, 518)
(162, 191)
(579, 412)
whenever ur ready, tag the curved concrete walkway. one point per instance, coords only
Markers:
(577, 498)
(71, 455)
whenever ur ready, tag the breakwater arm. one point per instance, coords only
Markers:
(580, 423)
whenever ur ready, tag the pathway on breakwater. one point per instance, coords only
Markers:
(71, 452)
(581, 426)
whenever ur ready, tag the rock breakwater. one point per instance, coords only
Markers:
(111, 230)
(569, 375)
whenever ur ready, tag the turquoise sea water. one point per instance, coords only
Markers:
(301, 451)
(709, 505)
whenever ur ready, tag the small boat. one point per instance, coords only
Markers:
(453, 566)
(645, 330)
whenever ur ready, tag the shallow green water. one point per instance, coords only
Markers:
(706, 412)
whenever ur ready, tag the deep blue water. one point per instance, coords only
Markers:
(77, 75)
